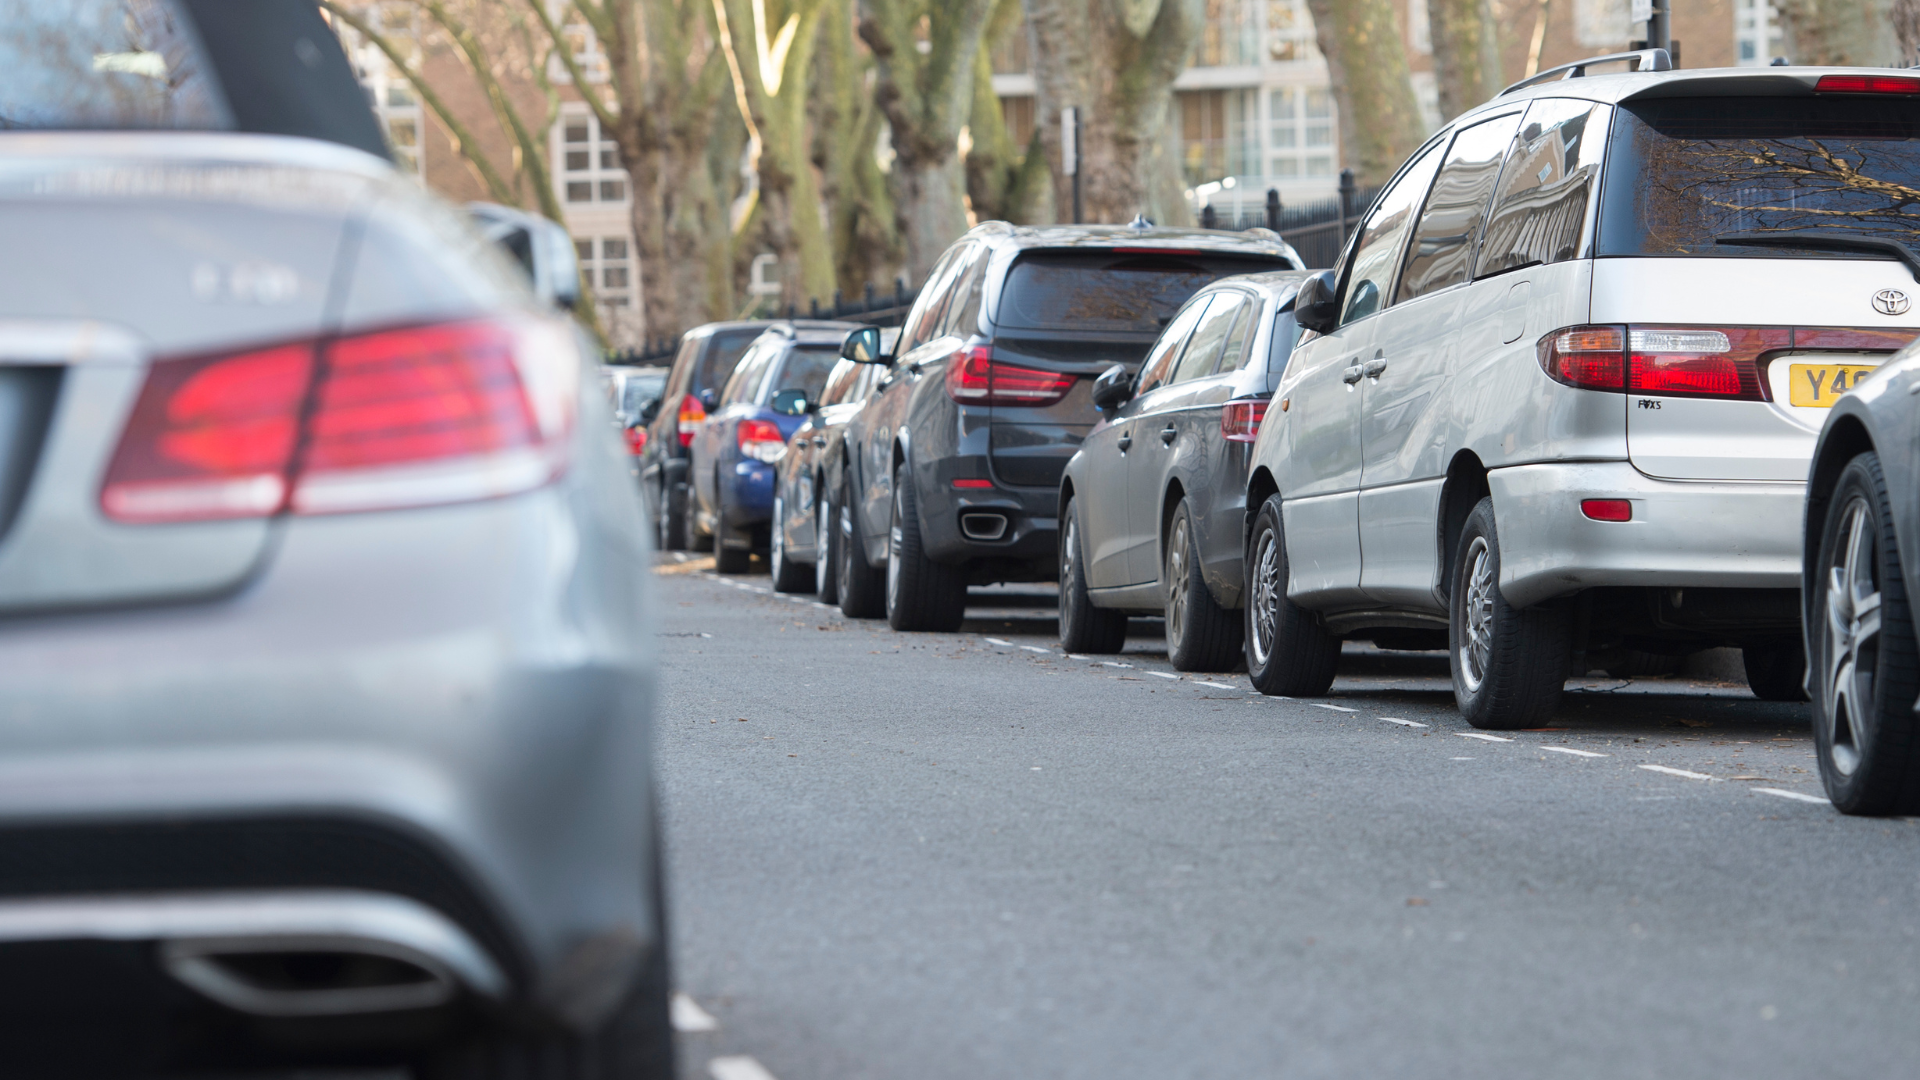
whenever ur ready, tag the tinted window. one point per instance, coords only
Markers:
(841, 381)
(1236, 350)
(1377, 254)
(750, 373)
(1109, 290)
(805, 368)
(963, 312)
(1680, 173)
(1166, 351)
(723, 355)
(1442, 251)
(1546, 185)
(104, 64)
(1201, 356)
(1286, 334)
(923, 321)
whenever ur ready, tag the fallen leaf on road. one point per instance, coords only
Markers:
(1416, 901)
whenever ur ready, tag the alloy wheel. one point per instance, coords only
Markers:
(1267, 590)
(1476, 652)
(777, 543)
(822, 522)
(1177, 586)
(1068, 560)
(894, 543)
(1852, 633)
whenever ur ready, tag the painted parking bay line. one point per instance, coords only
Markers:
(1571, 750)
(1217, 685)
(1324, 705)
(1682, 773)
(1402, 723)
(1110, 663)
(1482, 738)
(997, 641)
(688, 1016)
(1038, 649)
(1797, 796)
(1162, 675)
(737, 1067)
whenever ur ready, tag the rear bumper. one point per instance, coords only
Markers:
(1683, 533)
(1028, 518)
(749, 497)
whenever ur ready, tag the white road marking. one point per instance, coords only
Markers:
(738, 1067)
(1679, 772)
(1218, 685)
(1482, 738)
(997, 641)
(1794, 795)
(1109, 663)
(823, 607)
(1402, 723)
(689, 1016)
(1038, 649)
(1162, 675)
(1076, 656)
(1463, 759)
(1571, 750)
(1324, 705)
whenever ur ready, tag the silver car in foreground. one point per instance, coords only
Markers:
(324, 671)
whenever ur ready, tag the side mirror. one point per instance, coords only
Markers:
(791, 403)
(709, 398)
(651, 413)
(1315, 308)
(863, 346)
(1113, 388)
(542, 248)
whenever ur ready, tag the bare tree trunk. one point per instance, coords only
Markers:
(1379, 118)
(1115, 64)
(1002, 178)
(865, 230)
(1905, 17)
(1466, 53)
(1851, 33)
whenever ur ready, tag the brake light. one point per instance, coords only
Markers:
(1240, 420)
(761, 440)
(973, 378)
(1588, 357)
(692, 414)
(1867, 84)
(1672, 361)
(408, 417)
(636, 440)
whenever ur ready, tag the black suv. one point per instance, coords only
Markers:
(702, 366)
(953, 467)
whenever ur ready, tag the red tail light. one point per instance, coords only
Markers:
(1607, 509)
(1671, 361)
(1589, 357)
(399, 418)
(973, 378)
(692, 414)
(1867, 84)
(761, 440)
(1240, 420)
(636, 440)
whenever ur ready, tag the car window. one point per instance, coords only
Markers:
(1167, 350)
(805, 367)
(724, 351)
(1377, 255)
(1540, 215)
(841, 381)
(1442, 250)
(1118, 290)
(684, 362)
(923, 321)
(1236, 350)
(1682, 172)
(963, 312)
(1204, 351)
(748, 375)
(1286, 334)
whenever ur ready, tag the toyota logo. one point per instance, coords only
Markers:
(1891, 302)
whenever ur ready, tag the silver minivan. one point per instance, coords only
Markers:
(1555, 405)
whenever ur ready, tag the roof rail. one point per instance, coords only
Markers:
(1644, 60)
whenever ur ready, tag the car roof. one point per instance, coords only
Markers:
(1274, 284)
(809, 332)
(1102, 237)
(1690, 83)
(763, 325)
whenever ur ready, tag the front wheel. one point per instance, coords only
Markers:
(671, 519)
(862, 587)
(1289, 654)
(1864, 663)
(1509, 664)
(826, 548)
(1083, 627)
(921, 594)
(1201, 635)
(788, 576)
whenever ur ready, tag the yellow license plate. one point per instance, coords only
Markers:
(1820, 385)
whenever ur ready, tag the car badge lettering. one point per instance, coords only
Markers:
(1891, 302)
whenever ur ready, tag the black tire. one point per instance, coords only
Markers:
(826, 547)
(1083, 627)
(1289, 654)
(691, 537)
(1866, 669)
(726, 560)
(1775, 671)
(671, 523)
(921, 594)
(863, 587)
(1201, 635)
(1509, 664)
(788, 576)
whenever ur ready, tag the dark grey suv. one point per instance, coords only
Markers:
(954, 465)
(702, 366)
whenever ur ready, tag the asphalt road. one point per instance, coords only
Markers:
(967, 856)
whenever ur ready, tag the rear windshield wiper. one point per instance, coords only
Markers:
(1829, 239)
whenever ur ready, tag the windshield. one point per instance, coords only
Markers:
(1111, 290)
(805, 368)
(91, 64)
(1682, 173)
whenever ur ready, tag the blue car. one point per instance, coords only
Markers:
(737, 451)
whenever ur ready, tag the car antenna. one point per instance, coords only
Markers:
(1140, 221)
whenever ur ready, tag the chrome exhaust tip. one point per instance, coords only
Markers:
(308, 976)
(983, 526)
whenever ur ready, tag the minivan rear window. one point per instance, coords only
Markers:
(1111, 290)
(1683, 173)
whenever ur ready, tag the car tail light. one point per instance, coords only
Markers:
(966, 484)
(1867, 84)
(409, 417)
(973, 378)
(1670, 361)
(1240, 420)
(761, 440)
(1607, 509)
(636, 439)
(692, 414)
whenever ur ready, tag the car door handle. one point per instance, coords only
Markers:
(1124, 441)
(1354, 372)
(1167, 434)
(1374, 367)
(820, 441)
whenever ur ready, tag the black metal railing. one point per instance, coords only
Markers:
(874, 308)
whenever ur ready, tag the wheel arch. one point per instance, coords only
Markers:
(1169, 502)
(1465, 486)
(1845, 440)
(1260, 487)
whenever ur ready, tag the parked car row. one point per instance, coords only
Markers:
(1555, 409)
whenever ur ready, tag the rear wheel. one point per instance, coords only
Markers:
(826, 548)
(1865, 667)
(692, 538)
(727, 560)
(671, 519)
(1776, 672)
(1201, 635)
(863, 588)
(1083, 627)
(921, 594)
(1509, 664)
(788, 576)
(1288, 653)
